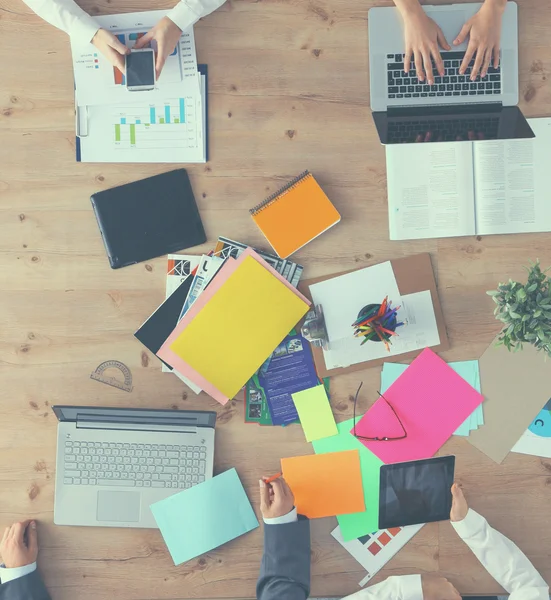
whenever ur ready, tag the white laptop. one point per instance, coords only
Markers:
(113, 463)
(405, 109)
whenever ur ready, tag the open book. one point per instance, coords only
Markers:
(486, 187)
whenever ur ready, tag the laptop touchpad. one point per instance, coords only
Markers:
(118, 506)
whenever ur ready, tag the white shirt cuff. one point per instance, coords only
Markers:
(411, 587)
(15, 573)
(84, 29)
(184, 16)
(470, 525)
(290, 517)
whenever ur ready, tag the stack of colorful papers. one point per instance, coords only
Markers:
(233, 326)
(468, 369)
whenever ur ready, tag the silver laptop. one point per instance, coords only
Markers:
(113, 463)
(405, 108)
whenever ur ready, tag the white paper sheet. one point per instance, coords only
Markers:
(169, 131)
(384, 543)
(96, 80)
(419, 331)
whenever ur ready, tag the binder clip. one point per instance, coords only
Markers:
(314, 329)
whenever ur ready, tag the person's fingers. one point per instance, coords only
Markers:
(428, 136)
(407, 59)
(32, 537)
(486, 63)
(427, 65)
(438, 61)
(277, 486)
(471, 48)
(285, 486)
(264, 497)
(118, 46)
(117, 60)
(458, 138)
(471, 136)
(161, 58)
(144, 40)
(496, 56)
(462, 35)
(441, 38)
(18, 531)
(418, 59)
(481, 136)
(6, 533)
(418, 138)
(479, 60)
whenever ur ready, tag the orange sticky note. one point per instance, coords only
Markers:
(325, 485)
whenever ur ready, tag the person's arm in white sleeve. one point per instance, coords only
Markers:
(505, 562)
(405, 587)
(187, 12)
(67, 16)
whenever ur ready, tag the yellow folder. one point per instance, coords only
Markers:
(239, 327)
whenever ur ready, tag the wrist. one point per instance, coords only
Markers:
(408, 7)
(497, 4)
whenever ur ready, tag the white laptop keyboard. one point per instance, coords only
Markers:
(134, 465)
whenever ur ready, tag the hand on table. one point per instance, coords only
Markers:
(110, 46)
(460, 508)
(166, 33)
(438, 588)
(276, 498)
(422, 38)
(19, 546)
(484, 31)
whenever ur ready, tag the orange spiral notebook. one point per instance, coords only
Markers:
(295, 215)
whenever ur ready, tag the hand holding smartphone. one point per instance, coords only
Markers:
(140, 70)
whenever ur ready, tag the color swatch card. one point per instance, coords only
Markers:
(314, 411)
(468, 369)
(204, 517)
(427, 404)
(373, 551)
(295, 215)
(354, 525)
(325, 485)
(233, 326)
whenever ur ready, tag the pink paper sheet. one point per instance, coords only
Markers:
(220, 278)
(431, 399)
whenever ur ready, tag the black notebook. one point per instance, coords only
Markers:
(148, 218)
(155, 331)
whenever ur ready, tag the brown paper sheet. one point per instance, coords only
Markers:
(413, 274)
(515, 386)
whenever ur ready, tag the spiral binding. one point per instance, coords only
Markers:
(275, 197)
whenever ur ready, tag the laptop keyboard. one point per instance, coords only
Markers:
(452, 84)
(443, 130)
(134, 465)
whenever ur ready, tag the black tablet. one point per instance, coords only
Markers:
(416, 492)
(148, 218)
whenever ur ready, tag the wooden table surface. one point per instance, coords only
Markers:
(288, 91)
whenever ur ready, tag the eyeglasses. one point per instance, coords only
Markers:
(378, 439)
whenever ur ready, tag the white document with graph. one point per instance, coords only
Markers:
(173, 130)
(97, 82)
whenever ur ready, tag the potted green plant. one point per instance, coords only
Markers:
(525, 311)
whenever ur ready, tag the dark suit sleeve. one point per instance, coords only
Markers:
(28, 587)
(285, 569)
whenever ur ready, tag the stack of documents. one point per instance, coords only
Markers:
(233, 326)
(468, 369)
(166, 124)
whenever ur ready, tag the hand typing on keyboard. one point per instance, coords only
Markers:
(422, 38)
(483, 30)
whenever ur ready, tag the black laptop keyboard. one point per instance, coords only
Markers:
(445, 130)
(403, 85)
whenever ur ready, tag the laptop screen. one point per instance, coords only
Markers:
(451, 124)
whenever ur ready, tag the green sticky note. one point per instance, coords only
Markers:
(314, 411)
(204, 516)
(356, 524)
